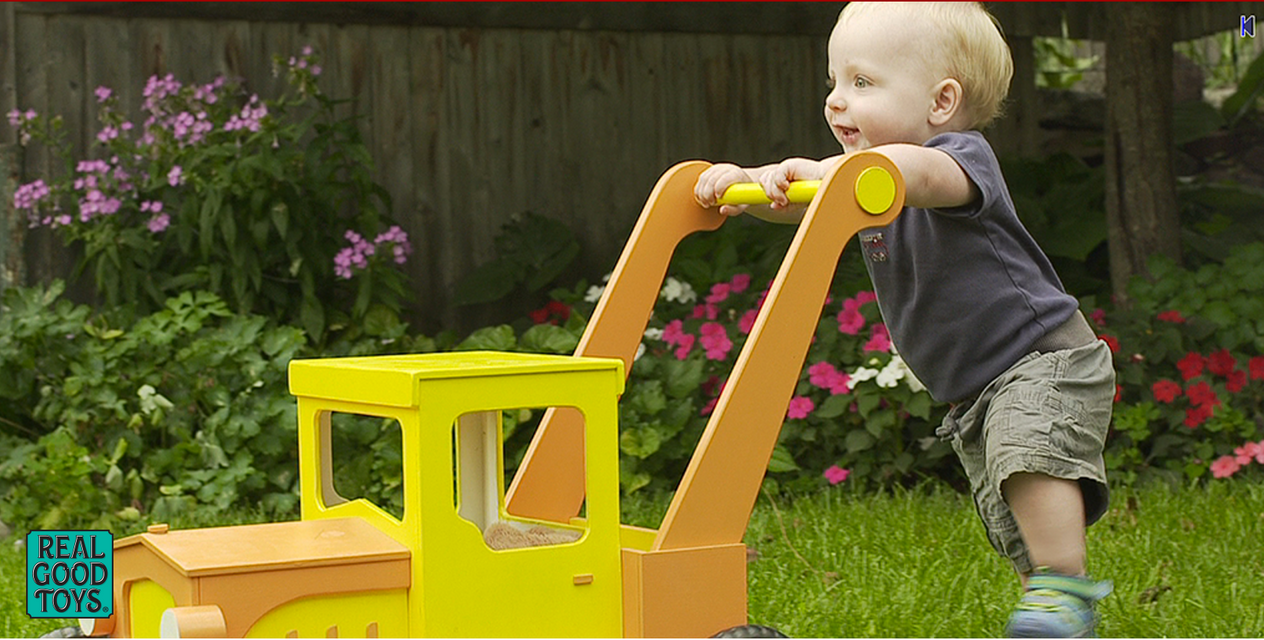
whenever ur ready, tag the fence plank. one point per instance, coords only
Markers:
(8, 69)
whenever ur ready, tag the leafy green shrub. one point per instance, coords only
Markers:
(267, 203)
(1188, 356)
(183, 409)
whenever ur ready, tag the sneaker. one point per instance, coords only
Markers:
(1057, 606)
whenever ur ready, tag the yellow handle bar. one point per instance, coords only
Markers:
(800, 192)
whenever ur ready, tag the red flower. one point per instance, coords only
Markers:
(1236, 381)
(1166, 391)
(1172, 316)
(1221, 362)
(1201, 394)
(1195, 416)
(1256, 365)
(1112, 341)
(1191, 365)
(1119, 392)
(552, 313)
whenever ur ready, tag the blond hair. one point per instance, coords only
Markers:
(968, 44)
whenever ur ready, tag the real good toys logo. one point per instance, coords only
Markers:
(69, 574)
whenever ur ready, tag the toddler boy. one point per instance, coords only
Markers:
(971, 302)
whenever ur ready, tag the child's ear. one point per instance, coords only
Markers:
(948, 95)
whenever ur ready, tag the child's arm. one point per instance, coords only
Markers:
(932, 178)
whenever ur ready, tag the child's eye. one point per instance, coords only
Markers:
(861, 83)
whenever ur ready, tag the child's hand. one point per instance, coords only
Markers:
(714, 181)
(777, 179)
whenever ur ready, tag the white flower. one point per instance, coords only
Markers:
(860, 375)
(640, 351)
(654, 334)
(891, 374)
(594, 293)
(676, 291)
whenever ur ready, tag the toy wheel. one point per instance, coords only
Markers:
(65, 632)
(750, 631)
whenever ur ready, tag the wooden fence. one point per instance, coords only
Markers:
(467, 126)
(472, 118)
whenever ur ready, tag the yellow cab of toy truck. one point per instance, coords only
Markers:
(461, 587)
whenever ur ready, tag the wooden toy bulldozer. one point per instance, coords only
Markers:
(548, 556)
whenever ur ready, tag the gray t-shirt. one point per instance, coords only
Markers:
(965, 292)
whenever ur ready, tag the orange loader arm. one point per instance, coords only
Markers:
(713, 502)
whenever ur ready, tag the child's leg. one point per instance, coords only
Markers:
(1050, 515)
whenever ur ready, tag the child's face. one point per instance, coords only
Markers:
(883, 88)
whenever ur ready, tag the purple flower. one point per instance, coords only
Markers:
(107, 134)
(29, 195)
(159, 223)
(175, 177)
(103, 94)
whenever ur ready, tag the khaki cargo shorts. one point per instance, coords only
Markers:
(1048, 414)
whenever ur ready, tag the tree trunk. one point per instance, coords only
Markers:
(1140, 181)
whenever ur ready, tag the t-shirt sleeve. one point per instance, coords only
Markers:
(973, 153)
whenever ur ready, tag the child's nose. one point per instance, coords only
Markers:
(834, 101)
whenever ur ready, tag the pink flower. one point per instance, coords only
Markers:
(685, 346)
(747, 321)
(879, 339)
(1098, 316)
(1166, 391)
(1172, 316)
(800, 407)
(176, 176)
(739, 283)
(1191, 365)
(1224, 467)
(715, 340)
(863, 297)
(674, 332)
(1249, 451)
(708, 311)
(850, 321)
(102, 93)
(836, 474)
(719, 293)
(709, 407)
(823, 375)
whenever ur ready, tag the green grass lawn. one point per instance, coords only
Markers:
(1185, 563)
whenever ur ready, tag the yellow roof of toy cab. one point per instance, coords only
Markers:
(282, 545)
(393, 380)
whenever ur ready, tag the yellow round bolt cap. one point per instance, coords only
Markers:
(875, 190)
